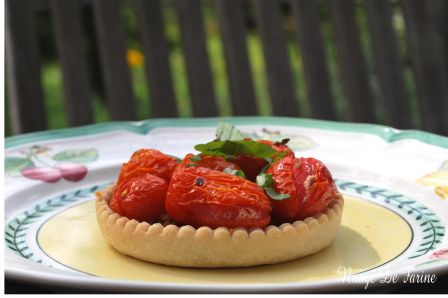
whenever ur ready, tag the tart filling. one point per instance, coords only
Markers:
(187, 246)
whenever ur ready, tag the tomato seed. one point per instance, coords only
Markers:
(199, 181)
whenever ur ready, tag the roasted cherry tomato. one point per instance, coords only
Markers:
(279, 146)
(309, 184)
(202, 197)
(217, 163)
(252, 166)
(141, 198)
(149, 161)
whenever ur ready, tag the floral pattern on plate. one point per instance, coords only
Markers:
(296, 142)
(37, 163)
(438, 180)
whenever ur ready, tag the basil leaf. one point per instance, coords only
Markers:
(191, 165)
(177, 158)
(232, 148)
(230, 142)
(196, 158)
(227, 132)
(209, 147)
(264, 180)
(261, 180)
(238, 173)
(280, 156)
(241, 174)
(275, 195)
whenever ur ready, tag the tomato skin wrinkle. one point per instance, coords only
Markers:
(224, 200)
(217, 163)
(289, 209)
(150, 161)
(315, 184)
(309, 184)
(141, 198)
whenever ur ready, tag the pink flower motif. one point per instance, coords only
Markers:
(37, 163)
(440, 254)
(72, 172)
(47, 174)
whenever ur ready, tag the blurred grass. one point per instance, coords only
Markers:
(53, 94)
(53, 87)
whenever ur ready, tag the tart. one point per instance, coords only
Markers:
(186, 246)
(238, 203)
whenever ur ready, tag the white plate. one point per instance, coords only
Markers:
(405, 172)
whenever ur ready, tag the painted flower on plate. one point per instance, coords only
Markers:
(37, 163)
(439, 254)
(438, 180)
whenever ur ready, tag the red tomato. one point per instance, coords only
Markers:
(279, 146)
(252, 166)
(141, 198)
(148, 161)
(289, 209)
(217, 163)
(202, 197)
(309, 184)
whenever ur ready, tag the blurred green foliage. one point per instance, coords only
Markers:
(52, 77)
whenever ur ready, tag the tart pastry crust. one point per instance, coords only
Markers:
(186, 246)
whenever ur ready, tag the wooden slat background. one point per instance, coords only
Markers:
(314, 58)
(387, 64)
(233, 32)
(69, 40)
(202, 90)
(111, 36)
(23, 68)
(280, 80)
(428, 64)
(377, 73)
(352, 66)
(155, 49)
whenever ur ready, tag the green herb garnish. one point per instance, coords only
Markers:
(266, 182)
(279, 156)
(233, 148)
(275, 195)
(196, 158)
(191, 165)
(177, 158)
(230, 142)
(228, 132)
(238, 173)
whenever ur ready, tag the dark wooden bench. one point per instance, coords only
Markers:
(426, 38)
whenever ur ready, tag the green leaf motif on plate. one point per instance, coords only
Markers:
(296, 142)
(13, 165)
(80, 156)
